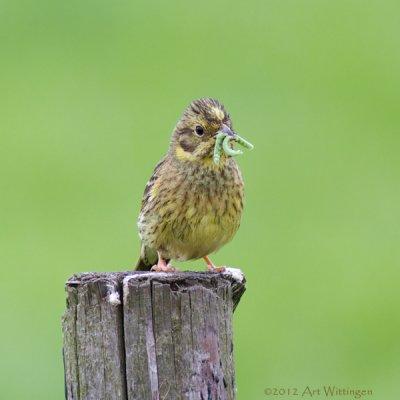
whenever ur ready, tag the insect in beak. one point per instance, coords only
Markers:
(222, 139)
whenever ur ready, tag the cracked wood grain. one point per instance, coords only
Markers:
(94, 353)
(156, 336)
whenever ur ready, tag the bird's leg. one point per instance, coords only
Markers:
(162, 266)
(211, 267)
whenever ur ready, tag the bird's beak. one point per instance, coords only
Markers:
(227, 131)
(224, 135)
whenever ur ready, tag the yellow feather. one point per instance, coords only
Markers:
(218, 113)
(184, 155)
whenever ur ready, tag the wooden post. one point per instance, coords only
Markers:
(147, 335)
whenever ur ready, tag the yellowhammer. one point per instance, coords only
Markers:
(193, 202)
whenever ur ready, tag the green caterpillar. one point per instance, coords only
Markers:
(222, 143)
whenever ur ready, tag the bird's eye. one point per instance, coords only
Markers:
(199, 130)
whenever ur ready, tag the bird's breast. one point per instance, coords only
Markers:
(208, 209)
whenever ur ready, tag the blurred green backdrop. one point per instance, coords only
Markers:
(89, 94)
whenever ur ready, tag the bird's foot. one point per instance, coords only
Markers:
(211, 267)
(166, 268)
(162, 266)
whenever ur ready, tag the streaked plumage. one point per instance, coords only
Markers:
(191, 206)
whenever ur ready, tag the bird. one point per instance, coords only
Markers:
(193, 202)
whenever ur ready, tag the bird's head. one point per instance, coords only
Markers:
(203, 125)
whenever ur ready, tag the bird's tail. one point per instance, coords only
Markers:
(148, 257)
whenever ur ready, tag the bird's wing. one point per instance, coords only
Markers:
(148, 255)
(152, 181)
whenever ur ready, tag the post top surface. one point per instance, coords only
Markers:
(233, 274)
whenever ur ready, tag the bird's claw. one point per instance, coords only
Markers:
(162, 268)
(216, 269)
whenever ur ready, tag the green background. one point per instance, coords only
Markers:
(89, 94)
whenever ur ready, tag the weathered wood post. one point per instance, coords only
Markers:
(146, 335)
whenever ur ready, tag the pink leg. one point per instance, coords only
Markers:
(162, 266)
(211, 267)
